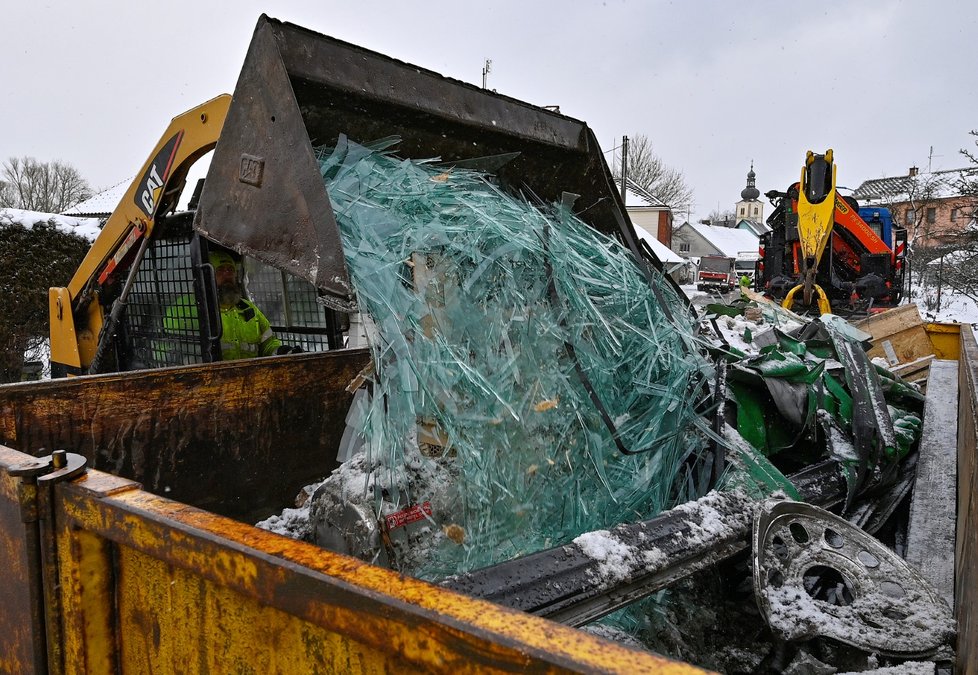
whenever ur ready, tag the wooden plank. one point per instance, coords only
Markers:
(930, 532)
(891, 321)
(913, 369)
(899, 335)
(903, 347)
(915, 372)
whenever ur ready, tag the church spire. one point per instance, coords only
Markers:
(750, 193)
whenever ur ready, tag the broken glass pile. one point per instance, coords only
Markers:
(531, 382)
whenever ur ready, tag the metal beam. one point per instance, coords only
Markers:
(568, 585)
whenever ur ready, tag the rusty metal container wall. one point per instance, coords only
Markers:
(238, 438)
(18, 631)
(966, 555)
(191, 591)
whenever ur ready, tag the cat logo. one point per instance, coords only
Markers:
(156, 175)
(153, 183)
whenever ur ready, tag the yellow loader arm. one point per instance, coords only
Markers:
(76, 315)
(816, 216)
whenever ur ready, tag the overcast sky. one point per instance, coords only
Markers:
(714, 84)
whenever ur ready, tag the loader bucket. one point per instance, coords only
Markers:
(264, 195)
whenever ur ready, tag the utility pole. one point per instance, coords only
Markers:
(624, 166)
(486, 69)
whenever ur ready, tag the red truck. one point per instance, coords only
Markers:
(716, 273)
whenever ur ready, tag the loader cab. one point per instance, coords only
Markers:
(175, 270)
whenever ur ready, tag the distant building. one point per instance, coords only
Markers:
(102, 204)
(757, 229)
(750, 207)
(652, 220)
(648, 211)
(934, 206)
(696, 241)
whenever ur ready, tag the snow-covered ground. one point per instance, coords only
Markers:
(954, 307)
(700, 298)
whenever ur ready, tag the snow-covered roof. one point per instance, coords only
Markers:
(102, 204)
(662, 252)
(753, 226)
(638, 197)
(83, 227)
(729, 240)
(925, 185)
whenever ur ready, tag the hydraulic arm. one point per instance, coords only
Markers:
(79, 327)
(816, 213)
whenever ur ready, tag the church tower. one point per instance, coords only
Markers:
(749, 207)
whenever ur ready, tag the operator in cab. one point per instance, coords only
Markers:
(245, 332)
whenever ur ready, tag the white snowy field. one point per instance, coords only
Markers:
(954, 307)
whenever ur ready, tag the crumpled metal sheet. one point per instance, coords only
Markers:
(815, 574)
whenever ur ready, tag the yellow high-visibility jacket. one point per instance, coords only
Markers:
(245, 330)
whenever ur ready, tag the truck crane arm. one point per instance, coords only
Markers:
(816, 214)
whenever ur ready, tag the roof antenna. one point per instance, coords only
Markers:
(930, 156)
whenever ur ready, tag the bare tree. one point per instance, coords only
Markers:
(968, 183)
(648, 171)
(953, 264)
(921, 190)
(726, 217)
(49, 187)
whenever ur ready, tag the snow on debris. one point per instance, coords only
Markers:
(293, 523)
(617, 560)
(796, 615)
(718, 515)
(614, 634)
(87, 228)
(908, 668)
(714, 516)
